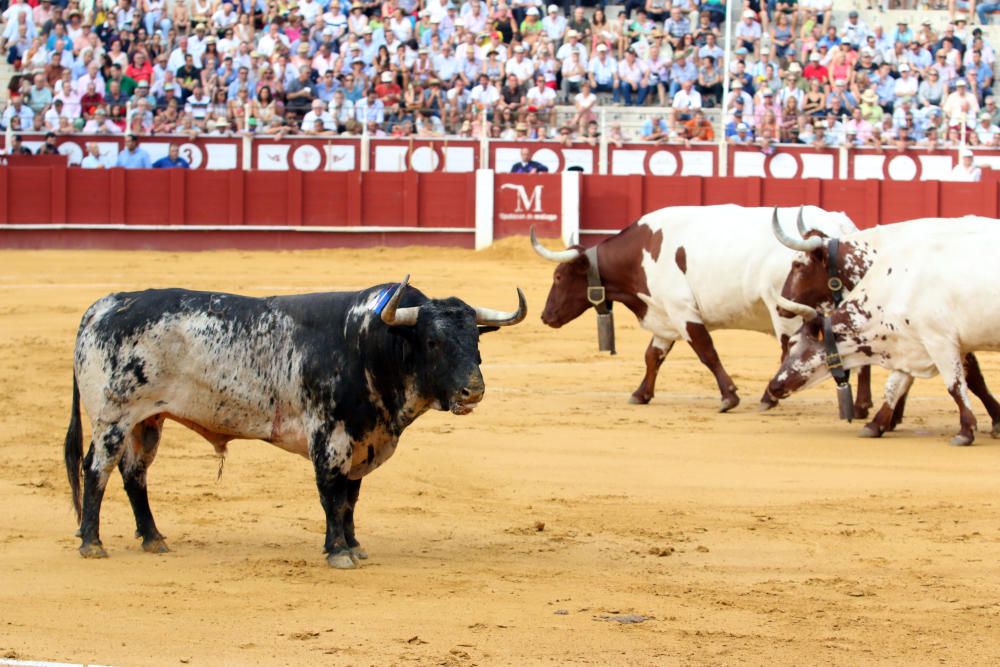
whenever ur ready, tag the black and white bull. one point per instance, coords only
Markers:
(335, 377)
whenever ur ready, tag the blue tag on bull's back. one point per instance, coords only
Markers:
(383, 299)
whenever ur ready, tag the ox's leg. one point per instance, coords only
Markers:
(950, 364)
(863, 402)
(146, 440)
(353, 491)
(896, 388)
(657, 351)
(897, 413)
(330, 461)
(977, 385)
(105, 450)
(701, 343)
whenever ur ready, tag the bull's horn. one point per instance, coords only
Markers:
(805, 245)
(807, 313)
(499, 318)
(561, 256)
(800, 224)
(394, 316)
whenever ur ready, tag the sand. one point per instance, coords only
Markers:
(522, 534)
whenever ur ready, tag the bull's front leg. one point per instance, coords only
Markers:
(330, 461)
(656, 352)
(896, 388)
(353, 491)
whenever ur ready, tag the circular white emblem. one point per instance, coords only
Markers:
(548, 157)
(663, 163)
(73, 151)
(307, 158)
(902, 168)
(424, 158)
(783, 165)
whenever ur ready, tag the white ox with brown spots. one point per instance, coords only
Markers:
(685, 271)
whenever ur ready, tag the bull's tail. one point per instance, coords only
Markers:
(73, 450)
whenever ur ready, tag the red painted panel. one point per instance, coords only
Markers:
(958, 199)
(382, 200)
(324, 198)
(207, 200)
(858, 199)
(523, 200)
(662, 191)
(29, 195)
(443, 200)
(906, 200)
(147, 196)
(604, 202)
(88, 196)
(731, 190)
(266, 198)
(789, 192)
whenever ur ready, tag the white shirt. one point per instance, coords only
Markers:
(309, 121)
(965, 174)
(686, 101)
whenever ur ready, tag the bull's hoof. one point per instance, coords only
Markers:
(359, 553)
(341, 560)
(996, 430)
(729, 402)
(639, 399)
(870, 431)
(861, 411)
(93, 550)
(766, 405)
(961, 440)
(155, 545)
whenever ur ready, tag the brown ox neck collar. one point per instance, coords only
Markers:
(834, 282)
(596, 293)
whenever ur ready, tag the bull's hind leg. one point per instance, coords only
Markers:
(106, 448)
(701, 343)
(353, 491)
(977, 385)
(134, 468)
(656, 352)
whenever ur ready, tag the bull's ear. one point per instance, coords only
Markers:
(483, 330)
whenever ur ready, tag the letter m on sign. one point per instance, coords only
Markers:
(526, 203)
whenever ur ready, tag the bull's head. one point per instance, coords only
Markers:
(567, 298)
(807, 281)
(444, 337)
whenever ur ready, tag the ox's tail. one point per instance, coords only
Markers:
(73, 449)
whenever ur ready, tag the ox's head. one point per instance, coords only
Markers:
(805, 364)
(808, 279)
(443, 336)
(567, 298)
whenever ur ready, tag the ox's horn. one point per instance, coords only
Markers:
(499, 318)
(800, 224)
(561, 256)
(807, 313)
(805, 245)
(394, 316)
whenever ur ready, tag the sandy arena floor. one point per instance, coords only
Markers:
(511, 535)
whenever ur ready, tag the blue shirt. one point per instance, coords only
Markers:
(167, 163)
(138, 159)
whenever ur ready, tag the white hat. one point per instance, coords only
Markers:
(749, 14)
(572, 33)
(736, 84)
(965, 152)
(386, 77)
(602, 47)
(553, 8)
(518, 49)
(814, 57)
(532, 11)
(743, 127)
(459, 22)
(904, 68)
(961, 82)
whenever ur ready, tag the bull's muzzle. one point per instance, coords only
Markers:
(469, 396)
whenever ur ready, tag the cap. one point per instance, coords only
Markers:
(965, 152)
(904, 67)
(736, 84)
(553, 9)
(925, 22)
(518, 49)
(741, 51)
(168, 85)
(764, 50)
(742, 127)
(521, 127)
(795, 68)
(303, 48)
(143, 84)
(814, 57)
(853, 14)
(869, 95)
(367, 30)
(961, 82)
(819, 125)
(768, 92)
(749, 14)
(572, 33)
(985, 115)
(532, 11)
(602, 47)
(386, 77)
(328, 30)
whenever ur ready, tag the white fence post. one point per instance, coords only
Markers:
(484, 208)
(570, 208)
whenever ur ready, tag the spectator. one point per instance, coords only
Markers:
(526, 165)
(966, 170)
(699, 128)
(685, 103)
(655, 129)
(603, 72)
(173, 159)
(93, 159)
(986, 130)
(133, 157)
(100, 124)
(633, 80)
(17, 147)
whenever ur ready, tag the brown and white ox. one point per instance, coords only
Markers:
(907, 310)
(685, 271)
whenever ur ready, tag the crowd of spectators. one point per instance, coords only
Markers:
(497, 68)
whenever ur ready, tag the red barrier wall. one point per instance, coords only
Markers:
(610, 203)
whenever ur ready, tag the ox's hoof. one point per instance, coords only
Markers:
(765, 406)
(996, 430)
(870, 431)
(155, 545)
(861, 411)
(93, 550)
(639, 399)
(341, 560)
(729, 402)
(961, 440)
(359, 553)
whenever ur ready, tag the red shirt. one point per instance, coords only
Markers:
(388, 92)
(814, 71)
(89, 103)
(144, 73)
